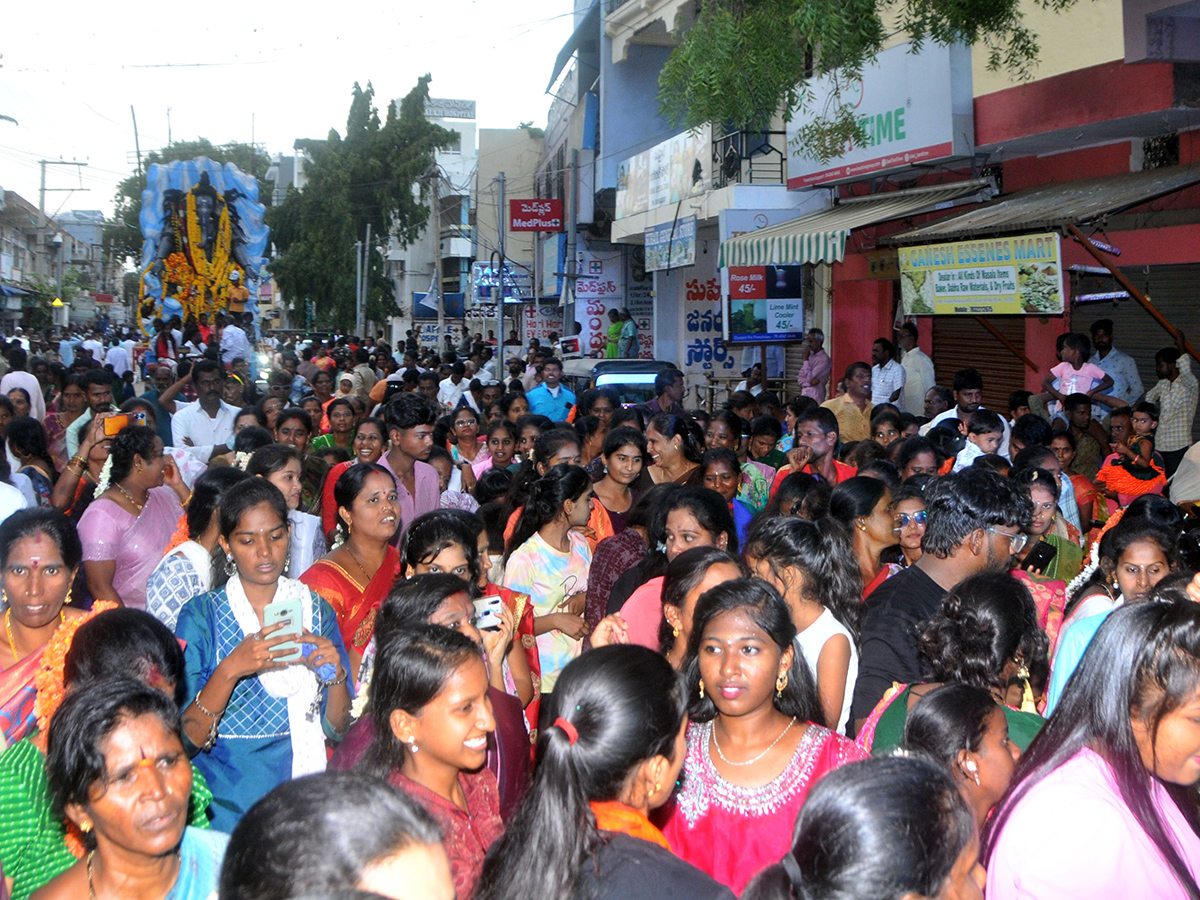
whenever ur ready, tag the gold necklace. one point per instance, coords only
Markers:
(750, 762)
(12, 645)
(354, 556)
(129, 497)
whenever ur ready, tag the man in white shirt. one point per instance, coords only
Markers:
(17, 377)
(234, 344)
(450, 391)
(887, 375)
(205, 427)
(752, 355)
(118, 359)
(918, 369)
(968, 397)
(93, 346)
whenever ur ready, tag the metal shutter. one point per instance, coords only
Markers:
(960, 342)
(1173, 291)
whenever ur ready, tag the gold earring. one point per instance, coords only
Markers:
(780, 683)
(674, 631)
(701, 688)
(862, 526)
(657, 786)
(85, 827)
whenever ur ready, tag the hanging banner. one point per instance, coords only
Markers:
(678, 168)
(766, 303)
(1010, 275)
(599, 288)
(639, 300)
(671, 245)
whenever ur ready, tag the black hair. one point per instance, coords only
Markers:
(1068, 437)
(946, 721)
(822, 417)
(545, 446)
(322, 832)
(260, 417)
(350, 484)
(967, 380)
(882, 414)
(41, 520)
(545, 504)
(432, 532)
(984, 421)
(983, 623)
(912, 447)
(664, 380)
(1017, 399)
(336, 402)
(856, 498)
(964, 501)
(206, 496)
(412, 665)
(586, 427)
(944, 394)
(87, 716)
(125, 643)
(408, 410)
(272, 458)
(620, 437)
(626, 705)
(741, 400)
(1073, 401)
(131, 441)
(1031, 456)
(27, 437)
(294, 412)
(507, 400)
(791, 491)
(1147, 408)
(492, 485)
(881, 470)
(691, 443)
(768, 426)
(628, 415)
(946, 439)
(252, 438)
(1032, 430)
(768, 611)
(683, 573)
(855, 367)
(588, 398)
(97, 377)
(249, 494)
(735, 423)
(375, 422)
(822, 553)
(1144, 661)
(709, 510)
(876, 828)
(721, 455)
(1133, 528)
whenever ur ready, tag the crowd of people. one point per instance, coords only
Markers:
(350, 620)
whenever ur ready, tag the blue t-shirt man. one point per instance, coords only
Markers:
(550, 398)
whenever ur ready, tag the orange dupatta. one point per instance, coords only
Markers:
(612, 815)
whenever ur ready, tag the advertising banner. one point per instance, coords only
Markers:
(678, 168)
(542, 321)
(671, 245)
(639, 300)
(766, 303)
(916, 108)
(599, 287)
(535, 215)
(1015, 275)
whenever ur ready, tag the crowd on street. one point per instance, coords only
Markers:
(293, 616)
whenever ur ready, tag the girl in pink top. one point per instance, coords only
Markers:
(1074, 375)
(1103, 806)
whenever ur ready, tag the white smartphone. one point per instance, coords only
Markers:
(487, 612)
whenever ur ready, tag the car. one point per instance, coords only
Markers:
(631, 379)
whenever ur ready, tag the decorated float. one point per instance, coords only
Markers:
(203, 241)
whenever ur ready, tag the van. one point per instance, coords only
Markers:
(631, 379)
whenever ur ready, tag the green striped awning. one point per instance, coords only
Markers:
(820, 237)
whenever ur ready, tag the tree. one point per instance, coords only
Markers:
(745, 59)
(124, 238)
(370, 177)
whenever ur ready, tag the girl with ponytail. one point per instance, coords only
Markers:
(611, 756)
(548, 560)
(812, 565)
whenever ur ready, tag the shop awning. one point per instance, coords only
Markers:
(589, 29)
(821, 236)
(7, 290)
(1055, 206)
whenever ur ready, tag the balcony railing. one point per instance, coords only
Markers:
(749, 157)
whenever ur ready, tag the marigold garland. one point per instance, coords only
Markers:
(1117, 478)
(180, 536)
(48, 682)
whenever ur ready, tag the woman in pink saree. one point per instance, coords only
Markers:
(126, 529)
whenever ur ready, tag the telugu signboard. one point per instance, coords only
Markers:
(535, 215)
(671, 245)
(444, 108)
(678, 168)
(914, 108)
(766, 303)
(1017, 275)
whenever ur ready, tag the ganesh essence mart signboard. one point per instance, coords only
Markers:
(1015, 275)
(914, 109)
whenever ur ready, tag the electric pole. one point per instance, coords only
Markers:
(437, 259)
(500, 298)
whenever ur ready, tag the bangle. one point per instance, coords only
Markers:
(79, 461)
(334, 683)
(210, 739)
(200, 706)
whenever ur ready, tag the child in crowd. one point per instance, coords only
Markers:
(985, 431)
(765, 434)
(1074, 375)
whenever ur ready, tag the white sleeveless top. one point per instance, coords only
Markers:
(812, 639)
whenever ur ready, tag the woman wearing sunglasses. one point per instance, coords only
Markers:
(910, 524)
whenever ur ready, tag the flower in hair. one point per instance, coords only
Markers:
(105, 476)
(241, 459)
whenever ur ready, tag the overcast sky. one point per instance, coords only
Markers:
(70, 71)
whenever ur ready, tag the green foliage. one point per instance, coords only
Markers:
(367, 177)
(124, 238)
(535, 134)
(39, 313)
(744, 60)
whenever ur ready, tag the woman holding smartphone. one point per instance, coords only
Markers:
(127, 527)
(259, 714)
